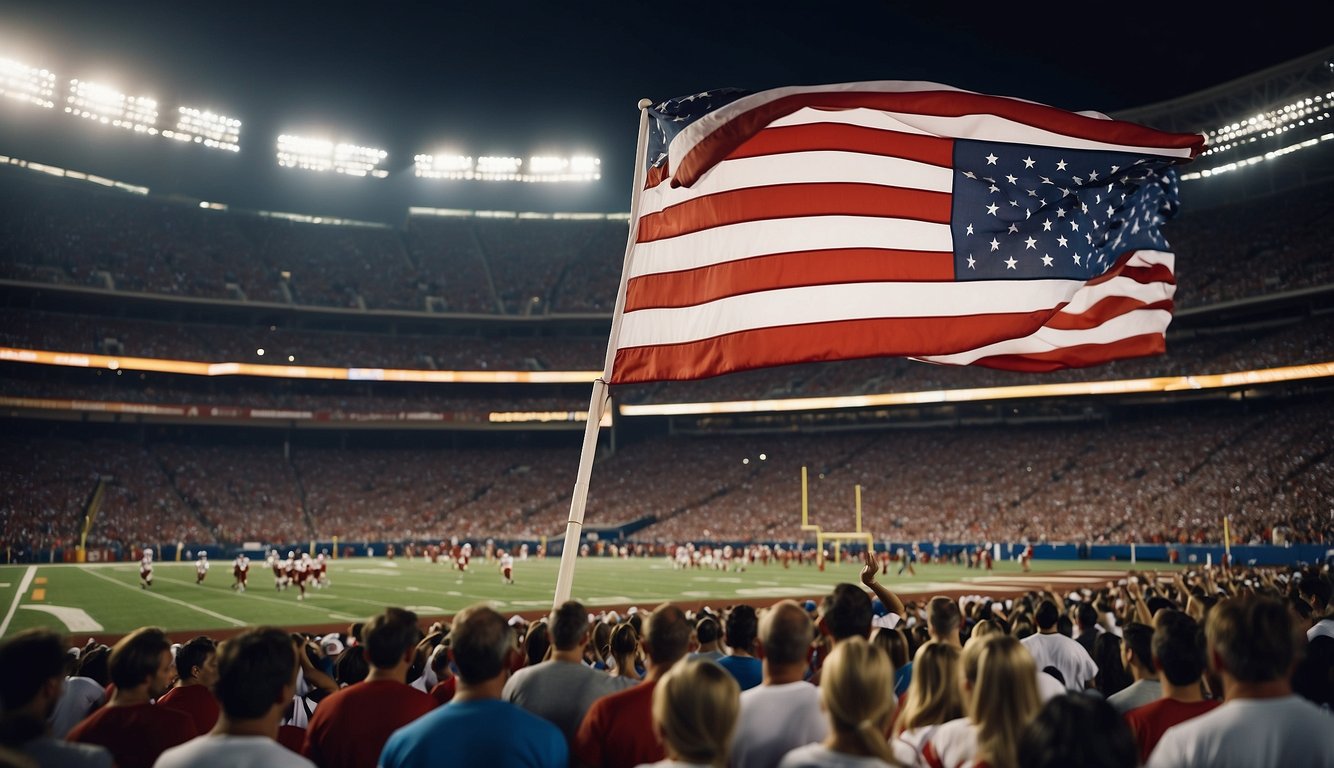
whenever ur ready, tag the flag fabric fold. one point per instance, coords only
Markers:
(895, 219)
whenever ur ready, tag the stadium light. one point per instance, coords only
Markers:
(1270, 123)
(446, 166)
(322, 155)
(498, 168)
(27, 84)
(108, 106)
(206, 128)
(539, 168)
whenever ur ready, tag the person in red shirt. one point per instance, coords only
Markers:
(350, 727)
(618, 732)
(197, 669)
(134, 729)
(1178, 654)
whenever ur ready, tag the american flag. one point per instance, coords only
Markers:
(895, 219)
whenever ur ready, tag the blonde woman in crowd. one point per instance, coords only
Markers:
(1000, 696)
(695, 708)
(857, 695)
(935, 697)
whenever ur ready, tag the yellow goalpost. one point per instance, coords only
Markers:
(837, 537)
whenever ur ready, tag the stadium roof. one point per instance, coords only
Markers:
(527, 76)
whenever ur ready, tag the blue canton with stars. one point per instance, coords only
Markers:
(1024, 212)
(672, 116)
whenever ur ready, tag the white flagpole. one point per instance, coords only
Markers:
(597, 404)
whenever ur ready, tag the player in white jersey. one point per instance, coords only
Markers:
(682, 557)
(146, 569)
(240, 572)
(201, 567)
(506, 567)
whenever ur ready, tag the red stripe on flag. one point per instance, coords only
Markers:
(1152, 273)
(795, 200)
(835, 137)
(655, 176)
(786, 270)
(717, 145)
(817, 342)
(1079, 355)
(1102, 311)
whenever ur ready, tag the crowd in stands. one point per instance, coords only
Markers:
(59, 232)
(1218, 667)
(1146, 478)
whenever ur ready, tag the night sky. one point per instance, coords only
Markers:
(521, 78)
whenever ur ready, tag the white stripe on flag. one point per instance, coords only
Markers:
(1135, 323)
(802, 168)
(736, 242)
(1119, 286)
(833, 303)
(861, 117)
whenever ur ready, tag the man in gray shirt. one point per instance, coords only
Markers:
(562, 689)
(1137, 652)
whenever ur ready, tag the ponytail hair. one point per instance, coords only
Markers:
(857, 690)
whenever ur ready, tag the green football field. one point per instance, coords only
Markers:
(105, 599)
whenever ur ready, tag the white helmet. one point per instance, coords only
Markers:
(148, 550)
(291, 555)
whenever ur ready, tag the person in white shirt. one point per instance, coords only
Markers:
(857, 695)
(934, 698)
(783, 712)
(506, 567)
(1253, 646)
(1000, 697)
(256, 680)
(1052, 649)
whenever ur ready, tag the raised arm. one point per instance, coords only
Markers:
(891, 600)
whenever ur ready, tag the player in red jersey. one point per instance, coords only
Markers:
(240, 572)
(1026, 557)
(302, 572)
(322, 569)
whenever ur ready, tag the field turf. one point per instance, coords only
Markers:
(105, 600)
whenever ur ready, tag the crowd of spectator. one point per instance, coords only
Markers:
(58, 232)
(1149, 477)
(1219, 667)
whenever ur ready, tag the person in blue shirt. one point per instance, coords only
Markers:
(477, 727)
(741, 628)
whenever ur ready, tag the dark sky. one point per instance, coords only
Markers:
(522, 77)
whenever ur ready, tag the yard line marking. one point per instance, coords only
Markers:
(23, 587)
(205, 611)
(74, 619)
